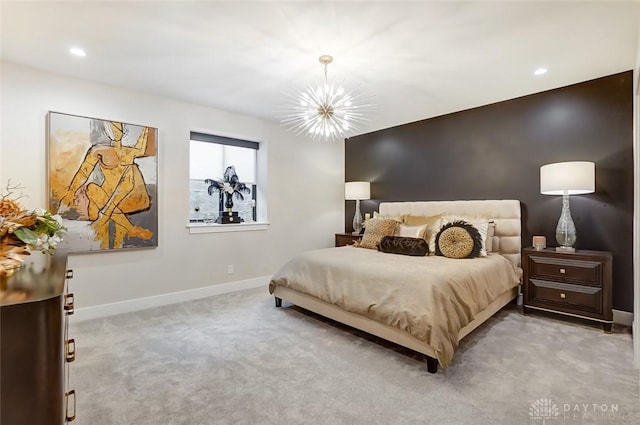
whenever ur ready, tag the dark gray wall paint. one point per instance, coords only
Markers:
(495, 152)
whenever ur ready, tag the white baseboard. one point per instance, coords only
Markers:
(138, 304)
(622, 317)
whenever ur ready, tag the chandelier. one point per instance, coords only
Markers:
(326, 111)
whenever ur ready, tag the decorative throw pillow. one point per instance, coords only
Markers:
(376, 229)
(410, 231)
(480, 223)
(418, 220)
(431, 225)
(458, 239)
(416, 247)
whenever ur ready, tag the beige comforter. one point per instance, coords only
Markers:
(431, 298)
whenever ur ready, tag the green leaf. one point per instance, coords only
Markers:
(26, 235)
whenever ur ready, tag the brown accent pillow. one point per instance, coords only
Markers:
(376, 229)
(458, 239)
(416, 247)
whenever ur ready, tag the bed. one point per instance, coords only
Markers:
(427, 304)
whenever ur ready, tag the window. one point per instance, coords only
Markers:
(209, 157)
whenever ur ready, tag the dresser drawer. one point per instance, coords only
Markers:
(576, 297)
(588, 272)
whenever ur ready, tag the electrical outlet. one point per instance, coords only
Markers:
(230, 269)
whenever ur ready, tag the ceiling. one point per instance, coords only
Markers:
(419, 59)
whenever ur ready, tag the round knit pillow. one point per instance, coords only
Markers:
(458, 240)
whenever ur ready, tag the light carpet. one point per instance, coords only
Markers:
(236, 359)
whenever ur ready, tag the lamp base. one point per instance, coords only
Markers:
(357, 219)
(565, 249)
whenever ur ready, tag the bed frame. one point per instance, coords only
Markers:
(506, 241)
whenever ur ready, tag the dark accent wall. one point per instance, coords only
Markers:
(495, 152)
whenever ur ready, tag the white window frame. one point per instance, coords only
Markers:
(199, 228)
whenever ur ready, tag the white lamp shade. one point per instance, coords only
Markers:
(575, 177)
(357, 190)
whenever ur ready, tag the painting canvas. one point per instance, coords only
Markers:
(103, 182)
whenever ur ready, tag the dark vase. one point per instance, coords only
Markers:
(228, 204)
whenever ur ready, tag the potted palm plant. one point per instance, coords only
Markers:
(229, 186)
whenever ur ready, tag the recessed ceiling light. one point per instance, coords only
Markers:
(76, 51)
(540, 71)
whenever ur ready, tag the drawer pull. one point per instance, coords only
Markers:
(562, 271)
(69, 274)
(70, 415)
(563, 295)
(68, 303)
(70, 354)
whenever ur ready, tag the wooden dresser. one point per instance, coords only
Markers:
(36, 348)
(575, 284)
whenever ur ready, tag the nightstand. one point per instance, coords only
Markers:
(574, 284)
(343, 239)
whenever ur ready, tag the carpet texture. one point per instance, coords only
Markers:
(236, 359)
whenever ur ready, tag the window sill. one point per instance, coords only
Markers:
(197, 228)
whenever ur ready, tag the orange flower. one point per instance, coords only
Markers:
(8, 207)
(22, 231)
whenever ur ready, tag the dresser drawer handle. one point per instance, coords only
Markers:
(562, 271)
(70, 416)
(70, 354)
(68, 303)
(563, 296)
(69, 274)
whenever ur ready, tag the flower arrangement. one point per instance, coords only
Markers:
(22, 231)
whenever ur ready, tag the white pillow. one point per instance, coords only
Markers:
(482, 224)
(491, 231)
(410, 231)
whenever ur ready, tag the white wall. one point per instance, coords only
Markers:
(305, 187)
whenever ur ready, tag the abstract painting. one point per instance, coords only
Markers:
(103, 182)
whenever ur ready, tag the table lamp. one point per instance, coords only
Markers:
(357, 191)
(567, 178)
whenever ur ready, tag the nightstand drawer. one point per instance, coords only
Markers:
(578, 297)
(343, 239)
(588, 272)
